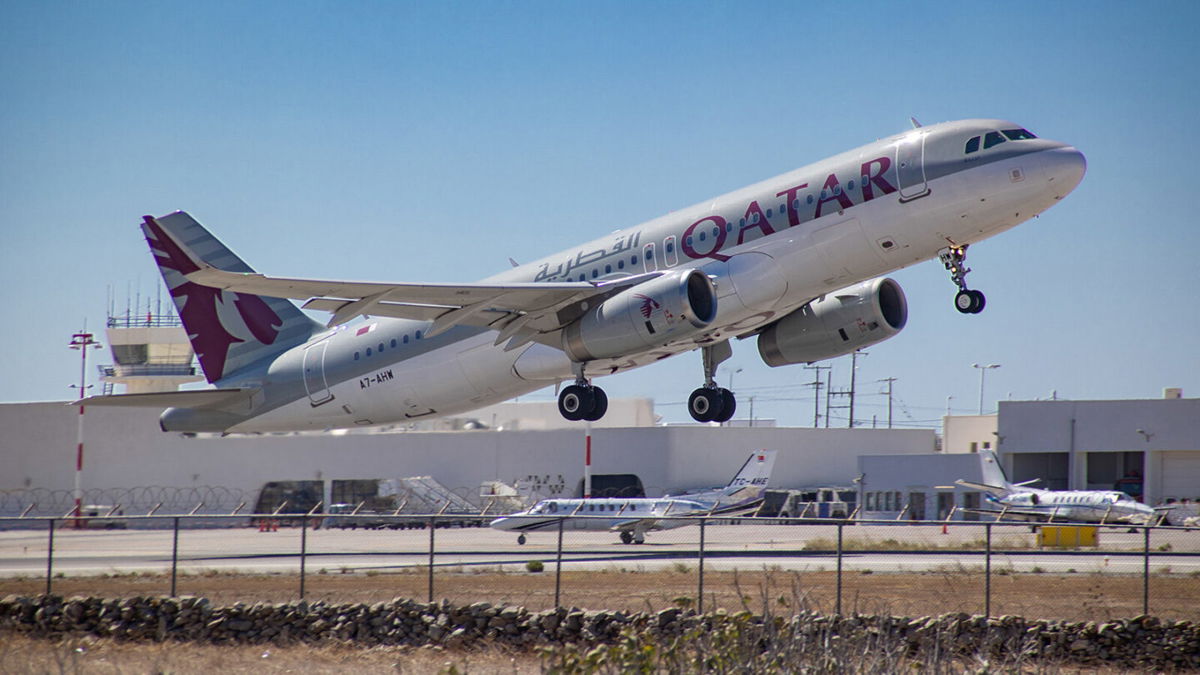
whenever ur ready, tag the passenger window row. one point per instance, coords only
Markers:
(394, 343)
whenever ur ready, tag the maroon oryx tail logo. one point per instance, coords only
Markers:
(198, 308)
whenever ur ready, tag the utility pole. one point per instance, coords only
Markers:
(816, 384)
(828, 393)
(844, 392)
(853, 374)
(889, 381)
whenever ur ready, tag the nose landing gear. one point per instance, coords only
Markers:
(954, 259)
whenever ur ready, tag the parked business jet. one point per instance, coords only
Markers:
(634, 517)
(794, 261)
(1020, 502)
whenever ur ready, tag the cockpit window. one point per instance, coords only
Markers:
(972, 145)
(1018, 134)
(993, 138)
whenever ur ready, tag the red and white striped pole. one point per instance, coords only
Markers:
(81, 341)
(587, 462)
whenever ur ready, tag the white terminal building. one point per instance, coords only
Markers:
(529, 450)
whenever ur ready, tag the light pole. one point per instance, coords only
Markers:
(81, 341)
(982, 371)
(731, 374)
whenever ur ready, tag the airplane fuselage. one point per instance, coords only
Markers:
(1084, 506)
(769, 248)
(602, 514)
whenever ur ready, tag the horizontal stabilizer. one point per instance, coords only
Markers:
(200, 398)
(994, 489)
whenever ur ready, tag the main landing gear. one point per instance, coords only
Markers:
(967, 301)
(637, 537)
(711, 403)
(582, 401)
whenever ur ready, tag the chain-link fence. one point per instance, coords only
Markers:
(1075, 572)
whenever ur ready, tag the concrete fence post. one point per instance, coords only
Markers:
(303, 550)
(838, 601)
(432, 527)
(1146, 571)
(987, 571)
(174, 553)
(50, 558)
(700, 564)
(558, 566)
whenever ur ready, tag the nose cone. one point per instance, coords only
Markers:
(1064, 167)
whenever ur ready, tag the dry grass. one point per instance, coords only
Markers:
(1073, 597)
(21, 654)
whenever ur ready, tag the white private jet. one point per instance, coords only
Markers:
(634, 517)
(794, 261)
(1020, 502)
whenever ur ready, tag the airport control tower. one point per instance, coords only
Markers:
(150, 353)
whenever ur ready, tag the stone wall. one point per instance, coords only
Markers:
(1142, 642)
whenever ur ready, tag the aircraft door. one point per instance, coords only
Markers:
(648, 259)
(910, 167)
(314, 374)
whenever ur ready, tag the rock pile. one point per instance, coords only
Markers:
(1143, 642)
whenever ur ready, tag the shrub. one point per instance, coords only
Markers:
(534, 566)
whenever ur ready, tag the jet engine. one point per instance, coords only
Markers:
(652, 313)
(836, 324)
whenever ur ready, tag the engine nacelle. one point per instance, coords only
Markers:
(836, 324)
(652, 313)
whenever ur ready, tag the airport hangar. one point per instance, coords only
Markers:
(895, 472)
(1150, 446)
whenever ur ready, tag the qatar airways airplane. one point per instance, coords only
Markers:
(794, 261)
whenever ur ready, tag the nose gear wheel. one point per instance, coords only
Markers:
(954, 259)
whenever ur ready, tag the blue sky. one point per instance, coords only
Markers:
(431, 141)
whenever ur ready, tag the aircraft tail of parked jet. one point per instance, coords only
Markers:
(747, 485)
(995, 482)
(228, 330)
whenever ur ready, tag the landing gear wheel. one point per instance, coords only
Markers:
(520, 540)
(705, 405)
(728, 406)
(954, 259)
(639, 538)
(575, 402)
(969, 302)
(626, 538)
(599, 405)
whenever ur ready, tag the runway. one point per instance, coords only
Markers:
(877, 548)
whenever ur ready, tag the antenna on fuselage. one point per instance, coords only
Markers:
(915, 123)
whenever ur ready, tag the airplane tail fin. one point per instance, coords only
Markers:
(228, 331)
(751, 480)
(993, 472)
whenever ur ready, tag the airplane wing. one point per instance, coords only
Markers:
(199, 398)
(644, 524)
(521, 312)
(1017, 515)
